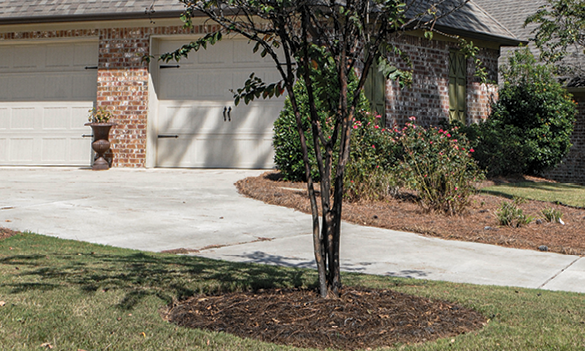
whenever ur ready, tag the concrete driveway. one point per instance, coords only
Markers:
(167, 209)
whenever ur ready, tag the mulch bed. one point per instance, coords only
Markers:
(6, 233)
(478, 224)
(361, 318)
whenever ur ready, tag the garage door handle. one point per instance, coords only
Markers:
(167, 136)
(224, 111)
(87, 135)
(168, 66)
(91, 67)
(229, 114)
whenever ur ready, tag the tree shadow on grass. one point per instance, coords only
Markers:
(141, 275)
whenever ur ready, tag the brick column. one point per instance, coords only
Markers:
(123, 89)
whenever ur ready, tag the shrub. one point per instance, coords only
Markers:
(439, 167)
(509, 214)
(370, 174)
(287, 145)
(530, 127)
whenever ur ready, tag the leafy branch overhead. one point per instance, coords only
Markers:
(560, 30)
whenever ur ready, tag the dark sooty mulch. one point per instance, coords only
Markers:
(361, 318)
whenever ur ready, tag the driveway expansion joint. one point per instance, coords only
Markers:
(559, 272)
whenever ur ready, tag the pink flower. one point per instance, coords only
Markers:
(374, 146)
(378, 116)
(448, 135)
(383, 130)
(412, 118)
(376, 127)
(355, 126)
(471, 150)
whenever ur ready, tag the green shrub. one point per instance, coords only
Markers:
(530, 127)
(439, 167)
(509, 214)
(287, 145)
(370, 173)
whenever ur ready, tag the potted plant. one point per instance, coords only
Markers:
(100, 125)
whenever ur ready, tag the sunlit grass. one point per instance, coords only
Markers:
(75, 295)
(562, 193)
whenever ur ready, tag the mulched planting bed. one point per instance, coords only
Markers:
(479, 224)
(361, 318)
(6, 233)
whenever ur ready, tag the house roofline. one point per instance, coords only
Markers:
(91, 17)
(503, 41)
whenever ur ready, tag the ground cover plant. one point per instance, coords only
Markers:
(67, 295)
(478, 223)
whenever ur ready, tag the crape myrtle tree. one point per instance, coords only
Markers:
(302, 36)
(560, 31)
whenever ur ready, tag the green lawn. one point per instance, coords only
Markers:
(76, 295)
(563, 193)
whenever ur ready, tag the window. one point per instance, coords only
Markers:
(457, 86)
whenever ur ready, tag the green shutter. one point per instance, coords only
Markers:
(375, 91)
(457, 86)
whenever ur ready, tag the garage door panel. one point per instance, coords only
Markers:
(3, 149)
(84, 85)
(29, 57)
(25, 87)
(4, 119)
(22, 149)
(78, 151)
(206, 117)
(256, 118)
(178, 85)
(55, 118)
(244, 139)
(45, 93)
(217, 84)
(59, 56)
(221, 151)
(6, 55)
(78, 117)
(57, 86)
(214, 54)
(23, 118)
(54, 149)
(85, 54)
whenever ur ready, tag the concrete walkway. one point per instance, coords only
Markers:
(164, 209)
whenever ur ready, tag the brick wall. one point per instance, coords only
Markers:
(428, 97)
(573, 167)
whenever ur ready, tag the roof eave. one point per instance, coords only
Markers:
(90, 17)
(503, 41)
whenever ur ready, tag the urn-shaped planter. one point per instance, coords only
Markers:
(101, 144)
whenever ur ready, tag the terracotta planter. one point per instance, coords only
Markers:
(101, 144)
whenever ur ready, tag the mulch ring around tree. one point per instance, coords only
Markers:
(361, 318)
(7, 233)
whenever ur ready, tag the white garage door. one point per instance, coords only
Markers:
(45, 93)
(198, 124)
